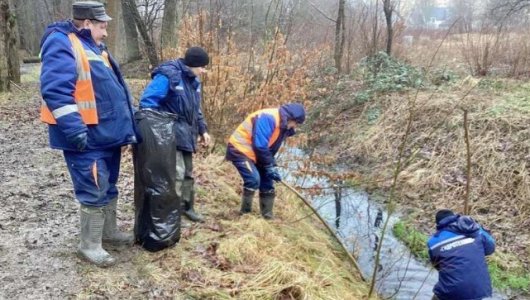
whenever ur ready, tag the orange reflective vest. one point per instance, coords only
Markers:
(85, 100)
(241, 139)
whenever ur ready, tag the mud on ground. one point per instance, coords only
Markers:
(39, 215)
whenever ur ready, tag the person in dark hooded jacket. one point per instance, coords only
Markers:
(176, 88)
(458, 251)
(88, 109)
(252, 146)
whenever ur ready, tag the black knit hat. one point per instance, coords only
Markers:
(196, 57)
(442, 214)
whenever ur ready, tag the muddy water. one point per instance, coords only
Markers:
(400, 275)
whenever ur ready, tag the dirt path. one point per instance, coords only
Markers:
(38, 217)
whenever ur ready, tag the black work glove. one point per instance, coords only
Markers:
(272, 173)
(79, 140)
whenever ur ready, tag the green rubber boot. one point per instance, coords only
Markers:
(266, 204)
(246, 201)
(188, 201)
(111, 234)
(92, 222)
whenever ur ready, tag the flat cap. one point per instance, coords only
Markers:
(91, 10)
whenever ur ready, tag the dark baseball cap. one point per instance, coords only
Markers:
(91, 10)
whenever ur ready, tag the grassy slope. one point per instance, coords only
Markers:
(367, 136)
(228, 257)
(234, 257)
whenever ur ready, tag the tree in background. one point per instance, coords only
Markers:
(150, 48)
(169, 31)
(388, 8)
(340, 36)
(9, 60)
(132, 51)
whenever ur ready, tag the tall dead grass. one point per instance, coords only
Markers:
(435, 178)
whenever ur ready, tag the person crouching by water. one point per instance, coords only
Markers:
(458, 251)
(252, 146)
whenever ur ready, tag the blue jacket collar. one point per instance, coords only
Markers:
(67, 27)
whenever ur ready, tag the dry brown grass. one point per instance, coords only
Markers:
(233, 257)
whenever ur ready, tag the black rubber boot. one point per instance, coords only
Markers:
(188, 200)
(266, 204)
(246, 201)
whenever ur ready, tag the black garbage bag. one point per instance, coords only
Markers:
(157, 222)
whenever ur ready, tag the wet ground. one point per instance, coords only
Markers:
(38, 213)
(38, 216)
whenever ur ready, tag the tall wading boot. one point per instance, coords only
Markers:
(188, 201)
(92, 222)
(246, 201)
(266, 204)
(111, 234)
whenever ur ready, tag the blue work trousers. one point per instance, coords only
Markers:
(94, 175)
(254, 177)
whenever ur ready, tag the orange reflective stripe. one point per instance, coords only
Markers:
(95, 173)
(241, 139)
(84, 91)
(46, 115)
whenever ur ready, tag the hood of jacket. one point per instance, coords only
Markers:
(459, 224)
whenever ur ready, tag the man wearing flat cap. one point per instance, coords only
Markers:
(176, 88)
(87, 107)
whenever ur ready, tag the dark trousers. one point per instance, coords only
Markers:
(254, 177)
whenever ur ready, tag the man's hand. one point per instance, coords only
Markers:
(79, 140)
(205, 139)
(272, 173)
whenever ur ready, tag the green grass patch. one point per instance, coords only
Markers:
(507, 273)
(415, 240)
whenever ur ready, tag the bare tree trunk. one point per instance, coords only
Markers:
(4, 75)
(113, 8)
(339, 36)
(13, 44)
(149, 45)
(9, 60)
(169, 32)
(375, 29)
(388, 9)
(56, 7)
(131, 34)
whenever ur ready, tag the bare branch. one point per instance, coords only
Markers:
(321, 12)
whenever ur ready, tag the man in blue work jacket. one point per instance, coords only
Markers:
(87, 106)
(176, 88)
(458, 251)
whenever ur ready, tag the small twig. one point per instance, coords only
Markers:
(349, 255)
(321, 12)
(468, 166)
(17, 86)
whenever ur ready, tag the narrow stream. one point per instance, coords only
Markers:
(400, 275)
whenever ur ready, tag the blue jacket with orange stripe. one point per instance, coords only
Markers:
(263, 128)
(58, 77)
(458, 251)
